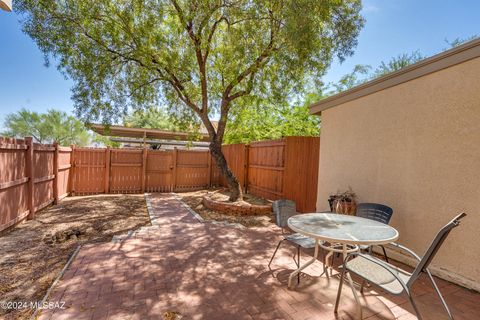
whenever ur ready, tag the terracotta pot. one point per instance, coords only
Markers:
(345, 207)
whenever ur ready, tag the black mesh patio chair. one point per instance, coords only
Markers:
(372, 211)
(391, 278)
(284, 209)
(377, 212)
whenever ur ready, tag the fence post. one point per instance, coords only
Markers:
(71, 178)
(107, 170)
(55, 173)
(144, 167)
(245, 170)
(31, 176)
(209, 169)
(174, 174)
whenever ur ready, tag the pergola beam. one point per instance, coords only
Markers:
(143, 133)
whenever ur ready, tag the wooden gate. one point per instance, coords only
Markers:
(266, 165)
(160, 171)
(89, 171)
(126, 170)
(192, 170)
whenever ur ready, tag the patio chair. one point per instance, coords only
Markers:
(391, 278)
(284, 209)
(372, 211)
(377, 212)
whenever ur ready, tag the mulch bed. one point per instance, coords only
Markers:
(194, 201)
(33, 253)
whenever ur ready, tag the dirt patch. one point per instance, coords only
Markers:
(194, 201)
(224, 194)
(33, 253)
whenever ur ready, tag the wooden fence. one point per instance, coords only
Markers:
(276, 169)
(32, 176)
(139, 170)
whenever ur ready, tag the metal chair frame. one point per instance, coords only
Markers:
(422, 265)
(282, 216)
(378, 212)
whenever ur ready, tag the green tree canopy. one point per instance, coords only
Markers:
(201, 58)
(269, 121)
(459, 41)
(152, 117)
(396, 63)
(362, 73)
(46, 127)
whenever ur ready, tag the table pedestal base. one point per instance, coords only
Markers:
(309, 262)
(333, 248)
(338, 247)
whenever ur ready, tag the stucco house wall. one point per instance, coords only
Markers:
(414, 146)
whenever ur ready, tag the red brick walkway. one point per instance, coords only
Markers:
(210, 271)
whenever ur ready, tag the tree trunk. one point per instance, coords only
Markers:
(232, 181)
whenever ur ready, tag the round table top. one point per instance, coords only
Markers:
(342, 228)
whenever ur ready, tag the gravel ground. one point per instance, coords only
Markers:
(33, 253)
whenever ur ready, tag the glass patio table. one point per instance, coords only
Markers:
(344, 231)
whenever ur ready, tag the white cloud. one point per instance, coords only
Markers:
(370, 8)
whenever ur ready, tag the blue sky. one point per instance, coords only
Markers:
(392, 27)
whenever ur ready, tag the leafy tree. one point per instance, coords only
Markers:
(203, 58)
(363, 73)
(397, 63)
(46, 127)
(359, 75)
(153, 118)
(99, 140)
(255, 123)
(459, 41)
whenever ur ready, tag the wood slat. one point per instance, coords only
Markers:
(267, 167)
(126, 164)
(9, 146)
(11, 184)
(64, 167)
(44, 179)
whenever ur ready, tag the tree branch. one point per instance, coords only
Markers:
(255, 66)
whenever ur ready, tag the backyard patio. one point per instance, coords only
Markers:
(183, 267)
(214, 161)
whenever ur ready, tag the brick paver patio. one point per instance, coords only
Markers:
(212, 271)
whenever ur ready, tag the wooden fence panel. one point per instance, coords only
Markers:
(13, 182)
(159, 171)
(126, 170)
(301, 171)
(64, 171)
(192, 170)
(89, 171)
(44, 176)
(236, 156)
(266, 165)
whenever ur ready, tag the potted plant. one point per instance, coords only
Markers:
(343, 202)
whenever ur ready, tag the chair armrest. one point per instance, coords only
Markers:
(399, 246)
(382, 264)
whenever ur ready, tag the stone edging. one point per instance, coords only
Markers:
(186, 206)
(236, 208)
(59, 276)
(200, 218)
(132, 233)
(153, 221)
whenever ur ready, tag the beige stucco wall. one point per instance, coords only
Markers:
(416, 148)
